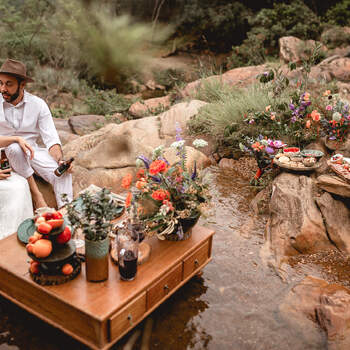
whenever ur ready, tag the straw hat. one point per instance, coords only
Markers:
(15, 68)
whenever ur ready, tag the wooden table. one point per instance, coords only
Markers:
(98, 314)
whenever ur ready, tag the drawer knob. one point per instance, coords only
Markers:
(166, 288)
(130, 319)
(196, 262)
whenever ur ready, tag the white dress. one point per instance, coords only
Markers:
(15, 203)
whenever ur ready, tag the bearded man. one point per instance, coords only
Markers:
(25, 115)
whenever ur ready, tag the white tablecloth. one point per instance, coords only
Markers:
(15, 203)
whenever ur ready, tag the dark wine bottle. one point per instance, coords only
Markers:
(4, 162)
(63, 167)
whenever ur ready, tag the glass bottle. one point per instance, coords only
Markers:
(63, 167)
(4, 162)
(127, 248)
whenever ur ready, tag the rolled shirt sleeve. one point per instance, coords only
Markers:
(47, 127)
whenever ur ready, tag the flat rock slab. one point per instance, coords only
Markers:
(85, 124)
(334, 184)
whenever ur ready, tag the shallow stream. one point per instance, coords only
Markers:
(234, 304)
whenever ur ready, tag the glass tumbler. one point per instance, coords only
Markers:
(127, 248)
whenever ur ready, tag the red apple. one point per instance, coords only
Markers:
(29, 248)
(57, 215)
(34, 267)
(44, 228)
(65, 236)
(47, 215)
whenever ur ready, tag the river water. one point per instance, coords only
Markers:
(234, 304)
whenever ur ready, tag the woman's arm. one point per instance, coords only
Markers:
(8, 140)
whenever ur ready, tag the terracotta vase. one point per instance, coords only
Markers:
(183, 230)
(96, 260)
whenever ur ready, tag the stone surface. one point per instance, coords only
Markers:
(239, 77)
(334, 184)
(62, 124)
(178, 115)
(227, 163)
(325, 305)
(337, 220)
(141, 109)
(293, 49)
(334, 67)
(66, 137)
(295, 225)
(106, 155)
(85, 124)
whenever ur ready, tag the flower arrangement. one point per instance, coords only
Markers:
(336, 119)
(263, 149)
(164, 193)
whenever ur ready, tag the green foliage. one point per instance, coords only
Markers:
(169, 77)
(218, 27)
(105, 102)
(339, 14)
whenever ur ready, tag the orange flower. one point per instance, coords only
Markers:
(273, 116)
(315, 115)
(140, 184)
(308, 124)
(128, 200)
(306, 96)
(126, 182)
(160, 195)
(157, 166)
(267, 108)
(257, 146)
(141, 173)
(327, 92)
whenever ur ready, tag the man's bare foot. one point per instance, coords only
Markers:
(38, 200)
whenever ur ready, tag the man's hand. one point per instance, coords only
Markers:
(70, 169)
(4, 174)
(56, 153)
(26, 147)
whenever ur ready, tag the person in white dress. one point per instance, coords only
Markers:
(28, 116)
(15, 199)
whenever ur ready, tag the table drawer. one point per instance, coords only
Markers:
(196, 259)
(160, 290)
(127, 317)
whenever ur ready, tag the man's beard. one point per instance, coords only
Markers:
(13, 96)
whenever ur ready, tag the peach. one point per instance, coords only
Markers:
(54, 223)
(29, 248)
(34, 267)
(44, 228)
(67, 269)
(42, 248)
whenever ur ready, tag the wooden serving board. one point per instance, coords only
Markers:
(297, 169)
(340, 171)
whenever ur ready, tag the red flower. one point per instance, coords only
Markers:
(128, 200)
(168, 204)
(157, 166)
(126, 182)
(160, 195)
(141, 173)
(140, 184)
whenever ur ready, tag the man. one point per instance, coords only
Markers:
(28, 116)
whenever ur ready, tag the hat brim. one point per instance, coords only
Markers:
(27, 79)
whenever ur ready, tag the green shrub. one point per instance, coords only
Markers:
(106, 102)
(215, 25)
(339, 14)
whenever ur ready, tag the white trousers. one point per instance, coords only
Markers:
(43, 165)
(15, 203)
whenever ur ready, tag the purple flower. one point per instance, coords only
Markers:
(266, 74)
(291, 107)
(276, 144)
(294, 119)
(251, 121)
(145, 160)
(194, 174)
(155, 178)
(178, 132)
(269, 150)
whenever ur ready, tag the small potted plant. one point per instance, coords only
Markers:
(92, 213)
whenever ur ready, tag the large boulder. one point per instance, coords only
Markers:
(325, 305)
(337, 220)
(141, 109)
(293, 49)
(332, 68)
(106, 155)
(334, 184)
(85, 124)
(239, 77)
(295, 225)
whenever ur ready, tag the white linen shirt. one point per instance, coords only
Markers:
(29, 119)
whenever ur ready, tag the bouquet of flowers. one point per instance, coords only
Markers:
(166, 194)
(263, 150)
(337, 117)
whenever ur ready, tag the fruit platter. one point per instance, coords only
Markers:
(50, 248)
(301, 161)
(341, 166)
